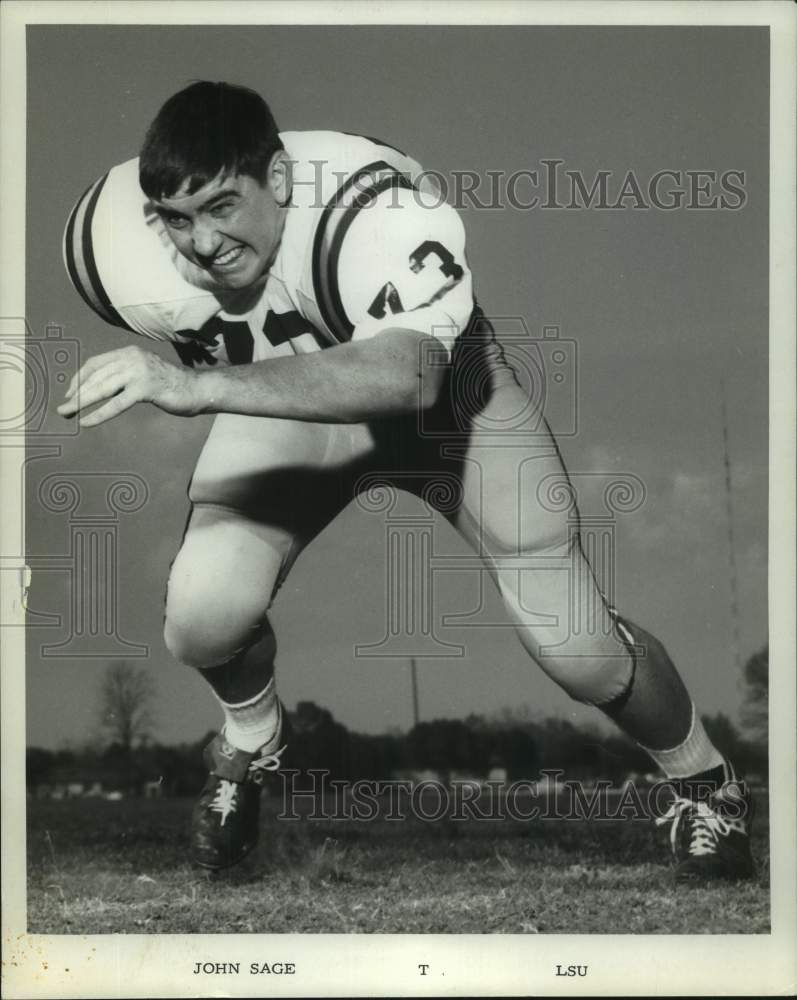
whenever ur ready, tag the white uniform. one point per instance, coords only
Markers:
(367, 246)
(362, 242)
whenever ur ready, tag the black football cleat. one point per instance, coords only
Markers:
(710, 839)
(225, 820)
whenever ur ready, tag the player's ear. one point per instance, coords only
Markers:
(279, 177)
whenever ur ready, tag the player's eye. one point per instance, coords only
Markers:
(174, 221)
(221, 210)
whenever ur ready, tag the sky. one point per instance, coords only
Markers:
(665, 313)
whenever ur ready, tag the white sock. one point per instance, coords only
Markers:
(697, 753)
(252, 724)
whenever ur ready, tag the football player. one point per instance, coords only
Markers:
(317, 291)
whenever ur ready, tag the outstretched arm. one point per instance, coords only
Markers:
(386, 375)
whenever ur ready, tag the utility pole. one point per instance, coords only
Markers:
(731, 541)
(414, 678)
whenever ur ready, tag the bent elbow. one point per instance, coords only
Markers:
(430, 380)
(426, 364)
(413, 368)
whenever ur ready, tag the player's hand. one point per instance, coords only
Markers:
(121, 378)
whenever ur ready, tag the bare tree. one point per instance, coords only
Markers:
(755, 711)
(127, 698)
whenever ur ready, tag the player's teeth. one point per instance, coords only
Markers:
(227, 257)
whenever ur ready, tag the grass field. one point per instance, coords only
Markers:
(100, 867)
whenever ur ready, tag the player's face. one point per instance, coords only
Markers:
(232, 226)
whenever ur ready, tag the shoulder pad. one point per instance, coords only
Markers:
(123, 265)
(384, 247)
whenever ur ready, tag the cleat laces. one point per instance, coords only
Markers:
(225, 800)
(268, 762)
(707, 826)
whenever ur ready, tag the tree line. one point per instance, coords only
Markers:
(511, 743)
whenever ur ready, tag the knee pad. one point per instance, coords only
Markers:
(609, 681)
(197, 643)
(598, 679)
(594, 666)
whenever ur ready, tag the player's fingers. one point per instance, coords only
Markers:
(103, 386)
(110, 410)
(108, 372)
(90, 367)
(85, 372)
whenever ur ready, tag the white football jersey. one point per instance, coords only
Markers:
(368, 244)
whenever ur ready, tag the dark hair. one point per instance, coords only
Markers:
(204, 130)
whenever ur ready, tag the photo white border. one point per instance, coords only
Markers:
(373, 965)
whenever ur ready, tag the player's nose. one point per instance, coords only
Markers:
(206, 240)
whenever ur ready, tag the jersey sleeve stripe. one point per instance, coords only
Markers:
(336, 219)
(376, 142)
(337, 241)
(70, 254)
(91, 265)
(80, 262)
(78, 244)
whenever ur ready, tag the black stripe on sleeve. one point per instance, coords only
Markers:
(376, 142)
(69, 251)
(336, 302)
(91, 264)
(329, 239)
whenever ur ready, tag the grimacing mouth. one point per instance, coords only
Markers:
(228, 257)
